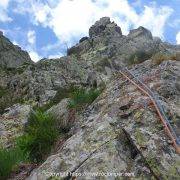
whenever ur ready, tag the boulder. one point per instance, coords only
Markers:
(83, 39)
(12, 123)
(61, 113)
(140, 32)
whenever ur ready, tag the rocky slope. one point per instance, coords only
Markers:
(12, 56)
(120, 131)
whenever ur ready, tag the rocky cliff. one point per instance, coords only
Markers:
(12, 56)
(120, 131)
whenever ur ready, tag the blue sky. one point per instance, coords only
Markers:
(46, 28)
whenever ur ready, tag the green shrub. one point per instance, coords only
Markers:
(8, 99)
(39, 137)
(79, 97)
(82, 97)
(9, 159)
(61, 94)
(2, 92)
(138, 57)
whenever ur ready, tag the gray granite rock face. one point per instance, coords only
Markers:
(141, 31)
(120, 131)
(104, 26)
(12, 124)
(107, 42)
(12, 56)
(104, 46)
(60, 113)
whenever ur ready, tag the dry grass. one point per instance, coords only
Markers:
(158, 58)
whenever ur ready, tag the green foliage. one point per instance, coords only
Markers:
(7, 99)
(139, 57)
(61, 94)
(2, 92)
(9, 159)
(64, 93)
(13, 70)
(100, 65)
(140, 138)
(81, 97)
(78, 96)
(40, 136)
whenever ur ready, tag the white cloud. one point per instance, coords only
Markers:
(178, 38)
(137, 3)
(56, 56)
(3, 11)
(16, 43)
(154, 19)
(4, 17)
(175, 23)
(31, 46)
(31, 36)
(34, 56)
(4, 3)
(71, 19)
(50, 47)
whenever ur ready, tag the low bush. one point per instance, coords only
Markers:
(7, 99)
(138, 57)
(61, 94)
(9, 160)
(81, 97)
(175, 56)
(2, 92)
(158, 58)
(40, 135)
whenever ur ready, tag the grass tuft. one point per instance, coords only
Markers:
(9, 160)
(81, 97)
(139, 57)
(40, 136)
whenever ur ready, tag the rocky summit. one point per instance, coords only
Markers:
(108, 127)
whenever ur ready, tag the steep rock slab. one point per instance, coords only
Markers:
(119, 133)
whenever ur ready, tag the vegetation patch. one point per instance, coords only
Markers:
(17, 70)
(2, 92)
(42, 131)
(39, 137)
(81, 97)
(139, 57)
(34, 146)
(158, 58)
(7, 99)
(100, 65)
(140, 138)
(9, 160)
(61, 94)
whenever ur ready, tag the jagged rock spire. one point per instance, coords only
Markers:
(104, 25)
